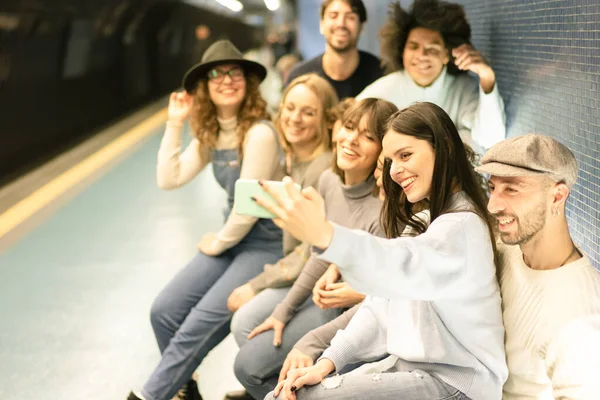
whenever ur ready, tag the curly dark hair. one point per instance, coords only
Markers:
(205, 126)
(449, 19)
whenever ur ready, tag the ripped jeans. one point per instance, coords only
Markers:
(388, 385)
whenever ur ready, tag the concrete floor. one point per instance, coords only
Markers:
(75, 292)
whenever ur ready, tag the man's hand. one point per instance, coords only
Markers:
(467, 58)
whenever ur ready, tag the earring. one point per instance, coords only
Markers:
(555, 212)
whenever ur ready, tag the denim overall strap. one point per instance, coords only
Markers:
(227, 168)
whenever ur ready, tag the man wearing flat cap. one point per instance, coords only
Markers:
(550, 290)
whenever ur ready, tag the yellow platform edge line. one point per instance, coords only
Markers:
(36, 201)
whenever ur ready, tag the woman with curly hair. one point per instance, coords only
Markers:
(231, 130)
(427, 53)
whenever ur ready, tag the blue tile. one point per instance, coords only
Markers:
(547, 62)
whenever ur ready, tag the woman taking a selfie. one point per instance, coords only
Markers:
(231, 130)
(433, 300)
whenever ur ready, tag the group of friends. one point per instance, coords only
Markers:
(424, 257)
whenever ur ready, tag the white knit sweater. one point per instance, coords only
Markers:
(552, 321)
(479, 117)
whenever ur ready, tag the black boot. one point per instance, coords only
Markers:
(132, 396)
(189, 391)
(238, 395)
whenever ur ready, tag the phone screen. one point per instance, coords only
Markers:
(245, 189)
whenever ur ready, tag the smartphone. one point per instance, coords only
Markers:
(245, 189)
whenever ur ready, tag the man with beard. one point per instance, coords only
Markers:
(550, 290)
(348, 69)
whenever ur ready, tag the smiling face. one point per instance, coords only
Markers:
(520, 205)
(412, 164)
(227, 85)
(301, 115)
(341, 26)
(424, 56)
(357, 149)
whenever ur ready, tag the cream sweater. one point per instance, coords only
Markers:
(552, 321)
(479, 117)
(176, 168)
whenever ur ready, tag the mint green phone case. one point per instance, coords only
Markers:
(245, 189)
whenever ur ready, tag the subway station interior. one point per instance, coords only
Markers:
(88, 239)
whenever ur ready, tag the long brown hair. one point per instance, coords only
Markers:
(328, 96)
(377, 112)
(203, 120)
(452, 169)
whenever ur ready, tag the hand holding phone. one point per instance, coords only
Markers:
(245, 189)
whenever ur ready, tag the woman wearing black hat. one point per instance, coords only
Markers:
(231, 130)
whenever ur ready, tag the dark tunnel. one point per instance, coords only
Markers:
(68, 68)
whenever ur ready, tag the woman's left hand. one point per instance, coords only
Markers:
(208, 244)
(301, 213)
(297, 378)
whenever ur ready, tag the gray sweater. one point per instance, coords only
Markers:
(352, 206)
(286, 270)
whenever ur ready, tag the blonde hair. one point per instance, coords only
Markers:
(205, 126)
(326, 93)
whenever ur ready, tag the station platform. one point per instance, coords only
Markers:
(86, 243)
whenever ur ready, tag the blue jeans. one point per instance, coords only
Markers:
(388, 385)
(258, 363)
(190, 315)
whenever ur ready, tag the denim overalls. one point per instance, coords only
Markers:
(190, 316)
(226, 167)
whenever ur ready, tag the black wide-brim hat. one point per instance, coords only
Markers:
(220, 52)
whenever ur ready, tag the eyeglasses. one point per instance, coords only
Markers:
(217, 75)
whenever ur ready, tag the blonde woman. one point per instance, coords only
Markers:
(304, 131)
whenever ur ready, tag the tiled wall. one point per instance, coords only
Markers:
(546, 54)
